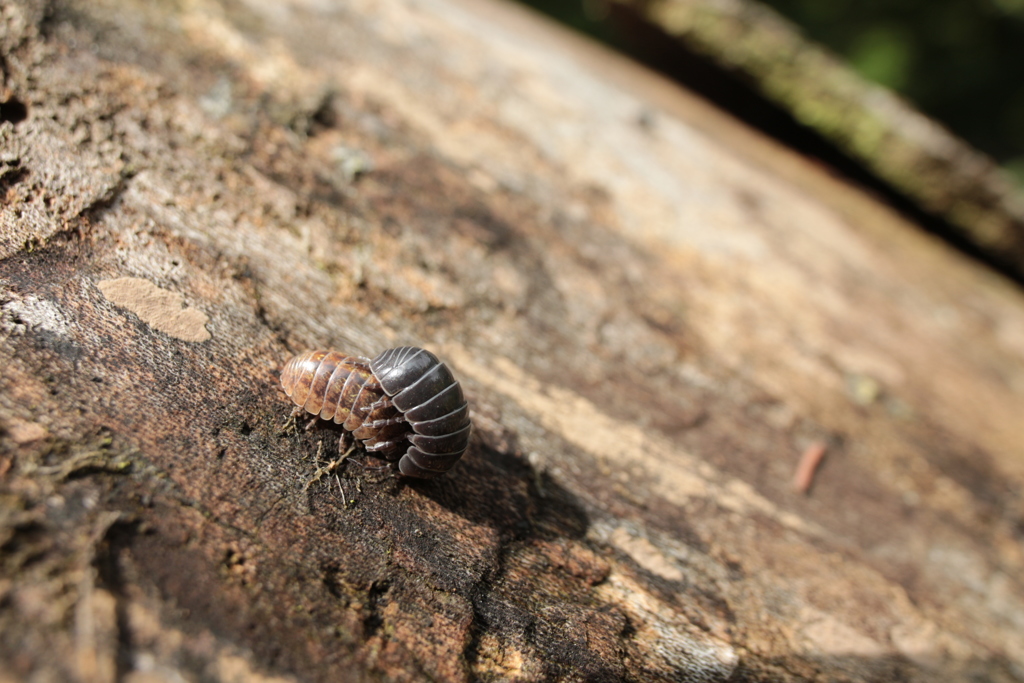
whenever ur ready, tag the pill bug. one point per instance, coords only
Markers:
(404, 405)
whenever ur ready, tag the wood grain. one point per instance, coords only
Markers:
(650, 308)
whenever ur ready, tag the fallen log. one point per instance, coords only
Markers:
(653, 312)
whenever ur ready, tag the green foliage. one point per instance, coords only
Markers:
(884, 54)
(958, 61)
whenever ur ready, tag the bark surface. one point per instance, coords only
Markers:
(979, 205)
(653, 311)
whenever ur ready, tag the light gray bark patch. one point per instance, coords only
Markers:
(157, 307)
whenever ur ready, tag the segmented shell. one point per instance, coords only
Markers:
(404, 405)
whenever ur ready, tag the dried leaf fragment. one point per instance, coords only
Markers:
(809, 462)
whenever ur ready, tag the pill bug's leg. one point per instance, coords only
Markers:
(378, 425)
(370, 452)
(381, 413)
(381, 403)
(382, 447)
(291, 425)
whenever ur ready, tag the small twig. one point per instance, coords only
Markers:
(341, 490)
(320, 471)
(809, 462)
(291, 424)
(329, 468)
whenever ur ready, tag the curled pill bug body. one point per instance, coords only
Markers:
(404, 405)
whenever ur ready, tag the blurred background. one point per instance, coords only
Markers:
(960, 62)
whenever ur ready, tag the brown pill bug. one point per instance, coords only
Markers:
(404, 405)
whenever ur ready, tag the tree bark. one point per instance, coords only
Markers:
(964, 193)
(653, 311)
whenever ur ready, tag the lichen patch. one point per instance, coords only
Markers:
(157, 307)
